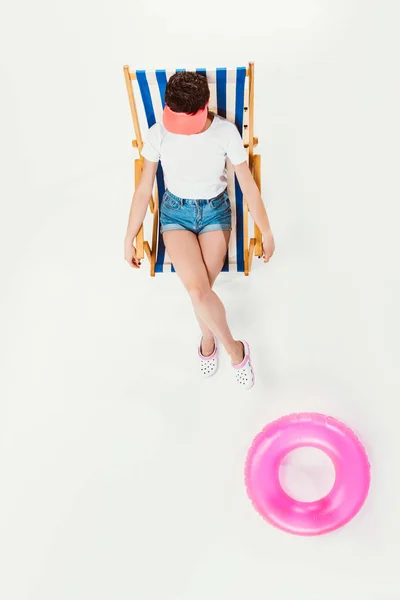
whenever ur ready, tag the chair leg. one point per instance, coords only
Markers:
(246, 237)
(247, 266)
(140, 234)
(251, 252)
(258, 250)
(147, 249)
(140, 244)
(255, 247)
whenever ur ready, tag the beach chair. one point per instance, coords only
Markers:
(232, 97)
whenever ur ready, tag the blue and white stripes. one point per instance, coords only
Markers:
(228, 97)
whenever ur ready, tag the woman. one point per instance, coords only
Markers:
(193, 145)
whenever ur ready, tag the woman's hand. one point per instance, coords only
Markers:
(130, 254)
(268, 245)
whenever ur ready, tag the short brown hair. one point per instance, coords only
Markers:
(187, 92)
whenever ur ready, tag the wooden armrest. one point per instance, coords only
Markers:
(140, 244)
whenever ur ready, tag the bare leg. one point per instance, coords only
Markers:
(213, 245)
(184, 250)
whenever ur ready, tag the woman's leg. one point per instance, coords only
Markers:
(213, 245)
(185, 252)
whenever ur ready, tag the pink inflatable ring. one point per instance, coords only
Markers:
(288, 433)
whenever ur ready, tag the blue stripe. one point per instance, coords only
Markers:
(239, 106)
(159, 266)
(239, 227)
(202, 72)
(151, 119)
(221, 92)
(146, 97)
(239, 110)
(162, 84)
(161, 77)
(180, 70)
(221, 111)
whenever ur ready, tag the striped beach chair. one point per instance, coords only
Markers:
(232, 97)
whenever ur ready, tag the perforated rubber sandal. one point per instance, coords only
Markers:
(208, 364)
(244, 371)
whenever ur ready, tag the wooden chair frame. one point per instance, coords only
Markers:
(251, 247)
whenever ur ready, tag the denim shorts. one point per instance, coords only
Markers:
(197, 216)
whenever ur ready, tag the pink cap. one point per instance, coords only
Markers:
(184, 123)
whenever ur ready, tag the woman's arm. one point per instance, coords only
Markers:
(256, 207)
(140, 202)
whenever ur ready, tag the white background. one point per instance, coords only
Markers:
(121, 474)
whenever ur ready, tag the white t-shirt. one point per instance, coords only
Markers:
(195, 165)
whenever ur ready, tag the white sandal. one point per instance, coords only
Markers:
(208, 364)
(244, 371)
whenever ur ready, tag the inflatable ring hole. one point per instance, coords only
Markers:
(307, 474)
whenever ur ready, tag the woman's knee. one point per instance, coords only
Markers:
(198, 292)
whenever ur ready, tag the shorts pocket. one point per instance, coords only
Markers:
(170, 203)
(220, 202)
